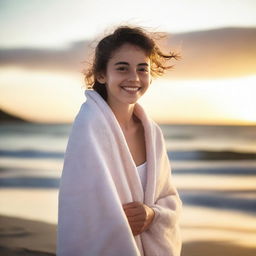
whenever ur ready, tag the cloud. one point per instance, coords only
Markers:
(46, 59)
(218, 53)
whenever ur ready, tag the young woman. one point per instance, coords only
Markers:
(116, 194)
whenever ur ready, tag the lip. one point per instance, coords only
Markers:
(131, 92)
(131, 86)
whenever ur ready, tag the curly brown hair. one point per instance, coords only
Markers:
(126, 34)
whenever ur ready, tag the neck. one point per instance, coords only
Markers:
(124, 114)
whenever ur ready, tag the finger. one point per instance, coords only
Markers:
(136, 227)
(139, 223)
(131, 205)
(133, 209)
(136, 218)
(134, 212)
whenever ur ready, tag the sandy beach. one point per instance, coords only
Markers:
(26, 237)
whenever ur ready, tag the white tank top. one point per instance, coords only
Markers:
(142, 169)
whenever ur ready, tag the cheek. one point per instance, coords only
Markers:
(146, 79)
(114, 78)
(114, 82)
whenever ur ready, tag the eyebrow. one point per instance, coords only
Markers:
(126, 63)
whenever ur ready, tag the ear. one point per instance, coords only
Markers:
(101, 78)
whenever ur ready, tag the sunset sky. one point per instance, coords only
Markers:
(44, 42)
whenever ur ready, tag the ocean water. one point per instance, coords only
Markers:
(213, 167)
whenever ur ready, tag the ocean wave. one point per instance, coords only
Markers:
(173, 155)
(243, 171)
(30, 182)
(31, 153)
(219, 200)
(210, 155)
(228, 200)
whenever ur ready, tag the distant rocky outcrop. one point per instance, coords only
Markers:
(9, 118)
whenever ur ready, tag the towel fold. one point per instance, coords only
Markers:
(99, 176)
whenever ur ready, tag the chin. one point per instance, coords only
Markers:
(131, 101)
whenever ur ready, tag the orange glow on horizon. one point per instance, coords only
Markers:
(50, 97)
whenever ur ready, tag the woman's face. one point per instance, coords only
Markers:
(127, 75)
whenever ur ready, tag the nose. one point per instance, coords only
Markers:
(133, 76)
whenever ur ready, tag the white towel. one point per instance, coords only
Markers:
(99, 176)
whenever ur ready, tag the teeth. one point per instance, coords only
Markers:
(131, 88)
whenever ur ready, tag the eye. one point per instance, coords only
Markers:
(122, 68)
(143, 69)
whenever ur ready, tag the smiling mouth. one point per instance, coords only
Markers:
(131, 89)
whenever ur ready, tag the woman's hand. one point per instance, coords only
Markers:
(139, 216)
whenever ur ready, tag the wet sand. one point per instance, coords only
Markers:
(26, 237)
(20, 237)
